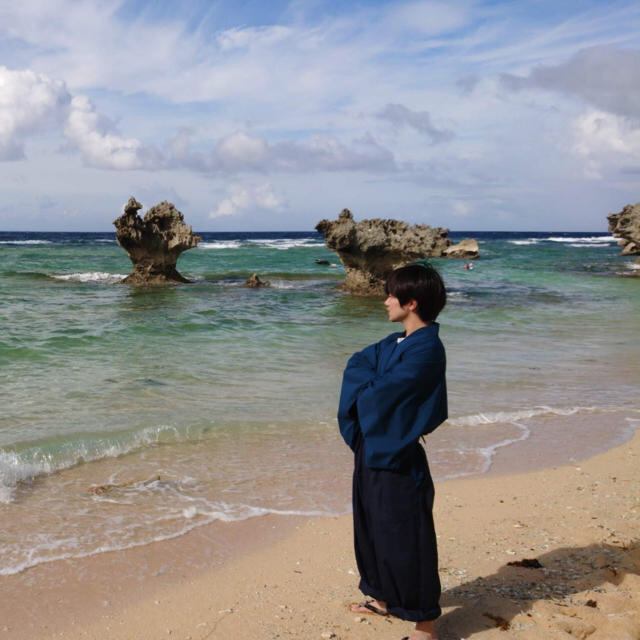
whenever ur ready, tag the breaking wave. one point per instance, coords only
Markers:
(51, 550)
(286, 243)
(28, 462)
(515, 416)
(99, 277)
(582, 240)
(25, 242)
(524, 242)
(222, 244)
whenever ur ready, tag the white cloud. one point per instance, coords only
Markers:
(182, 58)
(604, 76)
(257, 37)
(29, 103)
(99, 45)
(32, 102)
(606, 141)
(400, 115)
(462, 209)
(342, 100)
(94, 136)
(599, 131)
(428, 18)
(243, 199)
(242, 151)
(327, 153)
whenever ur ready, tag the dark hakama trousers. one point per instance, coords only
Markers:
(395, 540)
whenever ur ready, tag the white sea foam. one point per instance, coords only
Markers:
(14, 469)
(457, 296)
(286, 243)
(222, 512)
(591, 245)
(25, 242)
(583, 240)
(26, 464)
(488, 452)
(633, 266)
(20, 465)
(295, 284)
(100, 277)
(222, 244)
(524, 242)
(510, 417)
(514, 418)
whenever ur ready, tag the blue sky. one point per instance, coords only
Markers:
(273, 115)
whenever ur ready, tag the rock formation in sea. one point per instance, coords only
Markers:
(370, 249)
(626, 226)
(254, 282)
(154, 243)
(467, 248)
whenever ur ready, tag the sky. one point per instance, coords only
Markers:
(494, 115)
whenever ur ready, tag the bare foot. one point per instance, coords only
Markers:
(424, 630)
(378, 607)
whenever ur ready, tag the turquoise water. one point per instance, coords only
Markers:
(211, 401)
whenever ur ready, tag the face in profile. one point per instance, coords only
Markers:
(396, 311)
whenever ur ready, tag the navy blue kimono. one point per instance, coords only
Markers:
(392, 394)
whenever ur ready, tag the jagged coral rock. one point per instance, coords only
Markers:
(626, 226)
(467, 248)
(154, 243)
(255, 282)
(370, 249)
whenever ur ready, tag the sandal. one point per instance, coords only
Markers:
(370, 607)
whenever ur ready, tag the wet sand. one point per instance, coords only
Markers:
(280, 577)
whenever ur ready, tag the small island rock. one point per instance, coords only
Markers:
(626, 226)
(467, 248)
(370, 249)
(154, 243)
(254, 282)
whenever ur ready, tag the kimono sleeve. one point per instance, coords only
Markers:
(359, 372)
(407, 401)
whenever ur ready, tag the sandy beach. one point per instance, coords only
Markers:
(294, 578)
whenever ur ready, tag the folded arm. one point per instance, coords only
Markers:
(358, 374)
(396, 408)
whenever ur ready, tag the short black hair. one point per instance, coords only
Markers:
(419, 282)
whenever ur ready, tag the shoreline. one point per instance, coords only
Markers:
(534, 452)
(279, 576)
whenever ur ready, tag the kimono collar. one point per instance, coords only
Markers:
(423, 332)
(397, 348)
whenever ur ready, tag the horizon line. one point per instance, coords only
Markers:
(318, 232)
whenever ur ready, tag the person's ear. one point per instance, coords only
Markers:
(412, 305)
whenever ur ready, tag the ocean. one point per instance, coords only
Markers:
(130, 415)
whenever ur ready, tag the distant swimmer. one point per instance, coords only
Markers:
(468, 266)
